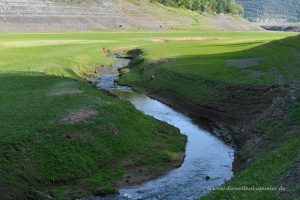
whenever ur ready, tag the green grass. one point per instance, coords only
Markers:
(37, 159)
(42, 156)
(193, 62)
(40, 153)
(265, 172)
(197, 71)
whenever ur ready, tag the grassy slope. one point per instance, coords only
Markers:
(195, 70)
(37, 157)
(206, 60)
(39, 154)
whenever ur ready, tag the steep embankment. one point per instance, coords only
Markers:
(51, 15)
(248, 89)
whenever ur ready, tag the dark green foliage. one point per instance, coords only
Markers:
(278, 9)
(218, 6)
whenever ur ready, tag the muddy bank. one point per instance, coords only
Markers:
(239, 107)
(137, 174)
(232, 112)
(233, 119)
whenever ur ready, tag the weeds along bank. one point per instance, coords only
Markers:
(60, 137)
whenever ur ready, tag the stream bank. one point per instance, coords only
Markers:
(236, 113)
(207, 162)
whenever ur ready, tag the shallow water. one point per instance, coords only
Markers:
(206, 155)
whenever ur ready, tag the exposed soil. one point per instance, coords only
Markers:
(137, 174)
(80, 115)
(163, 40)
(234, 118)
(238, 109)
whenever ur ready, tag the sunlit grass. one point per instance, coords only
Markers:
(36, 157)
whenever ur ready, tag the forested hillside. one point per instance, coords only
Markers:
(272, 11)
(218, 6)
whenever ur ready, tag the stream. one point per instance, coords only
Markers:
(206, 155)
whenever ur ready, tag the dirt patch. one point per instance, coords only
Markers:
(244, 62)
(163, 40)
(80, 115)
(66, 92)
(137, 174)
(157, 62)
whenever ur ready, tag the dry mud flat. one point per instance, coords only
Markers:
(163, 40)
(80, 115)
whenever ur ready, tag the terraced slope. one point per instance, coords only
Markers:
(53, 15)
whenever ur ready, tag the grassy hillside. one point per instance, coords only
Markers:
(272, 11)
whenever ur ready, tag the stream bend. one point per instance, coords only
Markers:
(206, 155)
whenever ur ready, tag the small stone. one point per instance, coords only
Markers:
(67, 136)
(127, 196)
